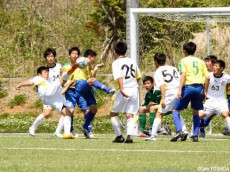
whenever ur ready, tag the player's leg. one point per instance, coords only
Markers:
(100, 86)
(130, 124)
(45, 114)
(116, 124)
(152, 115)
(67, 123)
(59, 128)
(142, 119)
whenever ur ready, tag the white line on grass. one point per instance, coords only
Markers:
(115, 150)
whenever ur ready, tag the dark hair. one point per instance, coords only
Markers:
(212, 58)
(221, 63)
(148, 78)
(90, 52)
(41, 68)
(120, 48)
(190, 48)
(160, 58)
(49, 51)
(74, 49)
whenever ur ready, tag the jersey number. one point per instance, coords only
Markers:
(215, 87)
(170, 77)
(195, 68)
(130, 72)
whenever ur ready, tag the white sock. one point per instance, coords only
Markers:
(60, 125)
(116, 123)
(130, 126)
(67, 124)
(156, 125)
(183, 125)
(228, 122)
(38, 121)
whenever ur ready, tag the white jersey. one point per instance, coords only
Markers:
(217, 86)
(127, 69)
(168, 76)
(54, 72)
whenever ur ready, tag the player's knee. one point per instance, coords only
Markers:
(93, 109)
(90, 81)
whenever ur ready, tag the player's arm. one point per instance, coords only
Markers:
(182, 81)
(67, 85)
(206, 85)
(24, 83)
(228, 87)
(98, 66)
(120, 83)
(162, 88)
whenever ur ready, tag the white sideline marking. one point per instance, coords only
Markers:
(115, 150)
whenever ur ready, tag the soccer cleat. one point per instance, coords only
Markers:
(194, 138)
(111, 91)
(68, 136)
(85, 132)
(152, 138)
(74, 133)
(176, 137)
(141, 135)
(202, 134)
(184, 136)
(119, 139)
(32, 131)
(57, 135)
(91, 135)
(129, 139)
(147, 133)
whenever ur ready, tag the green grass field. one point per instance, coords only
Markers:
(21, 152)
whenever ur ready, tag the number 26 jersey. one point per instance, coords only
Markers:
(127, 69)
(217, 86)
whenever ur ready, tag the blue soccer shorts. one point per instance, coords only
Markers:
(190, 93)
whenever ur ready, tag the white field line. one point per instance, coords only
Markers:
(115, 150)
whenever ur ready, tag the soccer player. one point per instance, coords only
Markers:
(126, 98)
(193, 71)
(167, 78)
(54, 74)
(152, 95)
(81, 92)
(215, 92)
(209, 62)
(50, 94)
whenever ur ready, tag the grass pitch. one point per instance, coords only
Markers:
(21, 152)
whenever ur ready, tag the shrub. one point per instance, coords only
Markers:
(18, 100)
(3, 93)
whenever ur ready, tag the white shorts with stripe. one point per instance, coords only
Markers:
(170, 98)
(212, 106)
(122, 104)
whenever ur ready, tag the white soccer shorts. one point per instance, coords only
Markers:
(170, 98)
(129, 105)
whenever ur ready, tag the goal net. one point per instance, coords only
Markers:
(167, 29)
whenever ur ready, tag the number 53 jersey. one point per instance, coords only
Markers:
(217, 86)
(127, 69)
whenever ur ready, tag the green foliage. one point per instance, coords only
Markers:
(3, 93)
(38, 104)
(17, 100)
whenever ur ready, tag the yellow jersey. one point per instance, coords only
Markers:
(194, 68)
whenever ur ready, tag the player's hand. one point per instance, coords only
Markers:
(100, 65)
(205, 96)
(163, 105)
(123, 93)
(18, 86)
(179, 95)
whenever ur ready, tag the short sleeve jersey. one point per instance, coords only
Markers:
(168, 76)
(41, 86)
(54, 72)
(217, 86)
(194, 68)
(154, 95)
(127, 69)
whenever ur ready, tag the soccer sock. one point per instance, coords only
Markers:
(228, 122)
(202, 125)
(142, 121)
(88, 119)
(116, 123)
(100, 86)
(156, 124)
(67, 123)
(152, 116)
(130, 126)
(177, 121)
(38, 121)
(196, 125)
(207, 121)
(71, 127)
(183, 125)
(90, 128)
(60, 125)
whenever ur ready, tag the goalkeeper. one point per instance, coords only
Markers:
(152, 95)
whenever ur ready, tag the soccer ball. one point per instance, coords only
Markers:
(83, 62)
